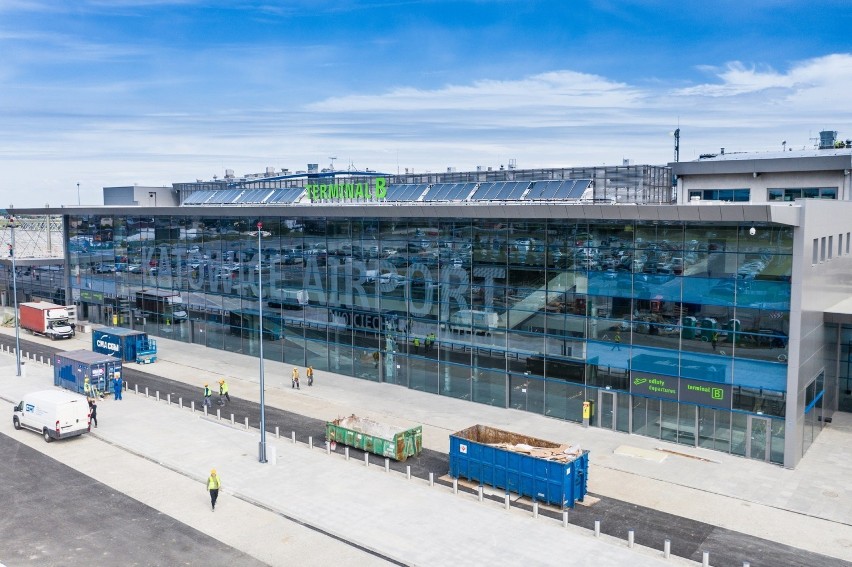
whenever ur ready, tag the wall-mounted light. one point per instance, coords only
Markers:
(752, 231)
(755, 174)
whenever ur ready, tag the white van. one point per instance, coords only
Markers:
(56, 414)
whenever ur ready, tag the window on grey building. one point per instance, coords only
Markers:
(782, 194)
(734, 195)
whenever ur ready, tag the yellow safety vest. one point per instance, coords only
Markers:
(213, 482)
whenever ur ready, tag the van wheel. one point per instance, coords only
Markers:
(47, 436)
(16, 422)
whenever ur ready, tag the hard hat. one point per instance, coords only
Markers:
(221, 381)
(212, 471)
(206, 384)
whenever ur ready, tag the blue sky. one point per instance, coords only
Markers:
(117, 92)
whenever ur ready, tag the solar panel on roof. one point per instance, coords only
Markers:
(483, 189)
(460, 191)
(396, 191)
(580, 186)
(513, 190)
(198, 197)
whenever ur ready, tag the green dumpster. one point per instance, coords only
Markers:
(374, 437)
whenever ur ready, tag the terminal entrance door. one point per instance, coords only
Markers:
(606, 410)
(758, 437)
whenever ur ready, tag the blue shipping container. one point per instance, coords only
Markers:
(70, 369)
(125, 344)
(478, 453)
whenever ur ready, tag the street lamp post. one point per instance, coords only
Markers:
(78, 193)
(262, 447)
(12, 225)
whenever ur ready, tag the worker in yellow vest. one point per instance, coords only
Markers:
(214, 483)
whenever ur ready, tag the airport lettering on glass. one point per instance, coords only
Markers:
(340, 283)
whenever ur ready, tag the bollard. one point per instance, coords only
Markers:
(41, 360)
(705, 559)
(630, 538)
(507, 503)
(205, 411)
(408, 472)
(146, 391)
(346, 452)
(219, 414)
(136, 388)
(169, 399)
(387, 464)
(746, 564)
(293, 436)
(455, 486)
(277, 436)
(158, 395)
(180, 402)
(667, 548)
(192, 406)
(366, 459)
(327, 448)
(431, 479)
(479, 493)
(597, 528)
(310, 442)
(535, 509)
(247, 425)
(232, 419)
(564, 518)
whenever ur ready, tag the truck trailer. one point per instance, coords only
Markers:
(46, 319)
(163, 305)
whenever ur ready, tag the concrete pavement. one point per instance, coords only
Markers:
(809, 508)
(161, 455)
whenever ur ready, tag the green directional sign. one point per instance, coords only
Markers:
(655, 385)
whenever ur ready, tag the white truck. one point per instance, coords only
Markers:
(55, 414)
(47, 319)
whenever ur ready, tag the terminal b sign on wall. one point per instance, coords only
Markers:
(705, 393)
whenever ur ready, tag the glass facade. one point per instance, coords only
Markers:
(675, 331)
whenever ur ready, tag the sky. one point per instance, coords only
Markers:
(152, 92)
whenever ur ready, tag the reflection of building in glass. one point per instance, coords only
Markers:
(517, 301)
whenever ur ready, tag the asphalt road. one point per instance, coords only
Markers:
(689, 538)
(56, 516)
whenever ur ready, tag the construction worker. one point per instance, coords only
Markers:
(617, 342)
(223, 392)
(310, 373)
(207, 395)
(431, 341)
(213, 486)
(295, 382)
(417, 344)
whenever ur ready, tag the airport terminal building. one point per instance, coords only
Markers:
(709, 322)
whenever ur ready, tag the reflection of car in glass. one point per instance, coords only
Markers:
(103, 268)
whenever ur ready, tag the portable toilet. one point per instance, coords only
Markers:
(733, 327)
(709, 326)
(689, 324)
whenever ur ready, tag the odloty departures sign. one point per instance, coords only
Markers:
(710, 394)
(344, 288)
(341, 191)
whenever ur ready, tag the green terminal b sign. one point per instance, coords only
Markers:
(345, 191)
(705, 393)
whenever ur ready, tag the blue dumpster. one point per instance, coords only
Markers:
(126, 344)
(542, 470)
(71, 368)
